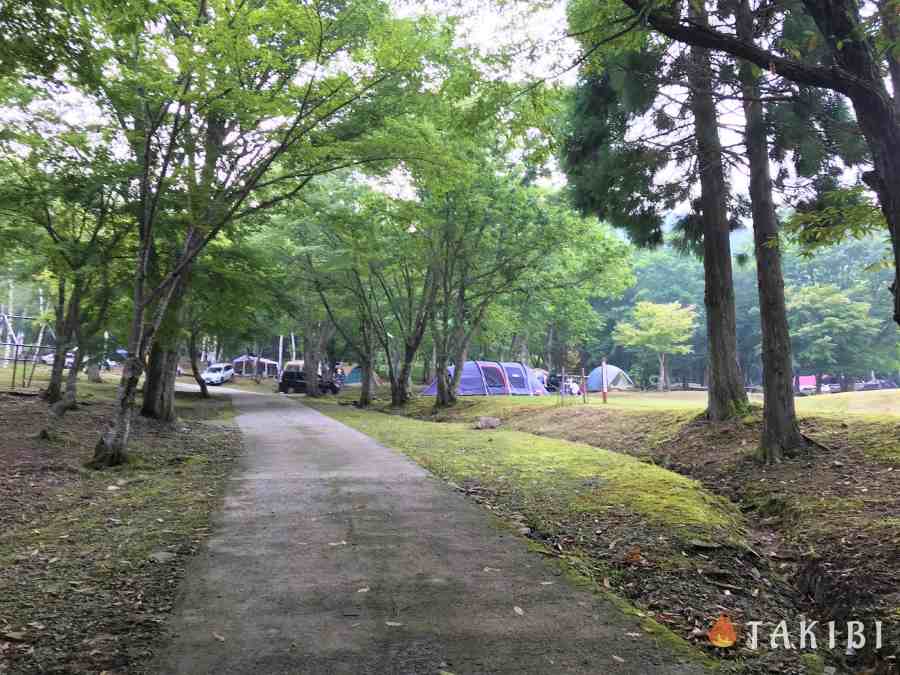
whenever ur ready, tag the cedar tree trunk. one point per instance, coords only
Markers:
(727, 397)
(781, 434)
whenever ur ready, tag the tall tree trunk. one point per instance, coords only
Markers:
(366, 386)
(159, 383)
(54, 388)
(66, 402)
(110, 448)
(780, 434)
(162, 363)
(410, 349)
(661, 384)
(195, 365)
(67, 311)
(445, 394)
(727, 397)
(428, 366)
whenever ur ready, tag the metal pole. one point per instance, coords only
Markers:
(12, 382)
(583, 387)
(24, 362)
(604, 379)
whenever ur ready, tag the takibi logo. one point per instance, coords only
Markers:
(723, 633)
(851, 637)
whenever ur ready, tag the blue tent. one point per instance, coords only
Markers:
(354, 377)
(492, 378)
(616, 378)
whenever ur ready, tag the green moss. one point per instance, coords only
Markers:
(814, 664)
(885, 448)
(885, 523)
(829, 504)
(572, 476)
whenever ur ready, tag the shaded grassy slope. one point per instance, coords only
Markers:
(570, 476)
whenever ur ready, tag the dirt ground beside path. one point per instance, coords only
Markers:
(334, 554)
(90, 561)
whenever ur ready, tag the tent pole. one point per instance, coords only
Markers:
(483, 381)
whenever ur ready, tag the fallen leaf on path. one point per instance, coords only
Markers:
(546, 583)
(519, 611)
(220, 638)
(15, 636)
(363, 590)
(618, 659)
(392, 623)
(337, 543)
(491, 569)
(633, 555)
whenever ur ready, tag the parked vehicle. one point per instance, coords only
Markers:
(218, 373)
(295, 381)
(48, 359)
(872, 385)
(552, 383)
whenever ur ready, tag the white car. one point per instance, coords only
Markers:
(51, 357)
(218, 373)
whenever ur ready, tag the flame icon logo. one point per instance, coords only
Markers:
(722, 634)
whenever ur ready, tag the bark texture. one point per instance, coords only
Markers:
(195, 364)
(781, 434)
(64, 403)
(162, 362)
(727, 397)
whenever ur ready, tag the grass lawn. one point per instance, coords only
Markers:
(90, 561)
(546, 471)
(875, 404)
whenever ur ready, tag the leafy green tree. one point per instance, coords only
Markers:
(615, 172)
(227, 110)
(554, 312)
(832, 332)
(859, 53)
(59, 202)
(661, 329)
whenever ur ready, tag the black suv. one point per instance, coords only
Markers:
(295, 380)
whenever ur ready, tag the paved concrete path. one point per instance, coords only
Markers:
(334, 554)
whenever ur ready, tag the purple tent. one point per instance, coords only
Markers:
(492, 378)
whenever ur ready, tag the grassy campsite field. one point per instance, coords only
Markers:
(875, 404)
(650, 501)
